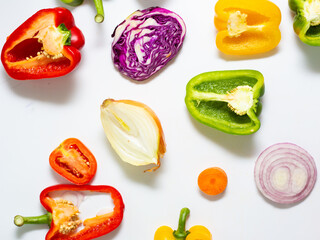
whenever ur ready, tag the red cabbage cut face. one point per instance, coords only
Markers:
(146, 41)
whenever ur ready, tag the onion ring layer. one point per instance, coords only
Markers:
(285, 173)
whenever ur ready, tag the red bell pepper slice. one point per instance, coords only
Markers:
(73, 161)
(42, 47)
(63, 217)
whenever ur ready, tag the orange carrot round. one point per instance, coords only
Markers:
(212, 181)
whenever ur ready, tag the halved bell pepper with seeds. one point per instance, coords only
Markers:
(247, 26)
(64, 217)
(307, 20)
(227, 100)
(74, 161)
(45, 46)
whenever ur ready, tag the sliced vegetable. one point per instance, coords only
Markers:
(64, 219)
(197, 232)
(99, 7)
(227, 100)
(247, 27)
(74, 161)
(212, 181)
(45, 46)
(146, 41)
(307, 20)
(285, 173)
(134, 131)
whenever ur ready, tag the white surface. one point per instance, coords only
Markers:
(38, 115)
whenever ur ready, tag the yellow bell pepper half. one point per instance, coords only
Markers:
(247, 26)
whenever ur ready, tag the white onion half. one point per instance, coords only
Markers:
(285, 173)
(134, 132)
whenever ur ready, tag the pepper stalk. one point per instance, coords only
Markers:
(181, 233)
(98, 4)
(195, 232)
(100, 12)
(43, 219)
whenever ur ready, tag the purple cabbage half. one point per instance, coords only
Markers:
(146, 41)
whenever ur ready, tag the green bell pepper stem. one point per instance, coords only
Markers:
(43, 219)
(181, 233)
(98, 4)
(66, 34)
(100, 12)
(72, 2)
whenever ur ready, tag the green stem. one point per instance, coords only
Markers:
(66, 34)
(100, 12)
(181, 233)
(43, 219)
(72, 2)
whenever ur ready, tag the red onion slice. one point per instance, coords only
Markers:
(285, 173)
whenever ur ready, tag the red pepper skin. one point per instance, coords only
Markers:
(77, 38)
(12, 56)
(74, 161)
(93, 227)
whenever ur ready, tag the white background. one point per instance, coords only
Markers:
(36, 116)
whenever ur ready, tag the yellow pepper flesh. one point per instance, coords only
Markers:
(199, 232)
(247, 26)
(164, 233)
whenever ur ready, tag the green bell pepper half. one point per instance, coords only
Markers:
(227, 100)
(307, 20)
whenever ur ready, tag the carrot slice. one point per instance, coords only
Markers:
(212, 181)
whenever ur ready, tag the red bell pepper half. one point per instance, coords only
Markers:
(63, 216)
(45, 46)
(74, 161)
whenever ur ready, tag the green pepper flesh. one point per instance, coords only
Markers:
(307, 20)
(208, 100)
